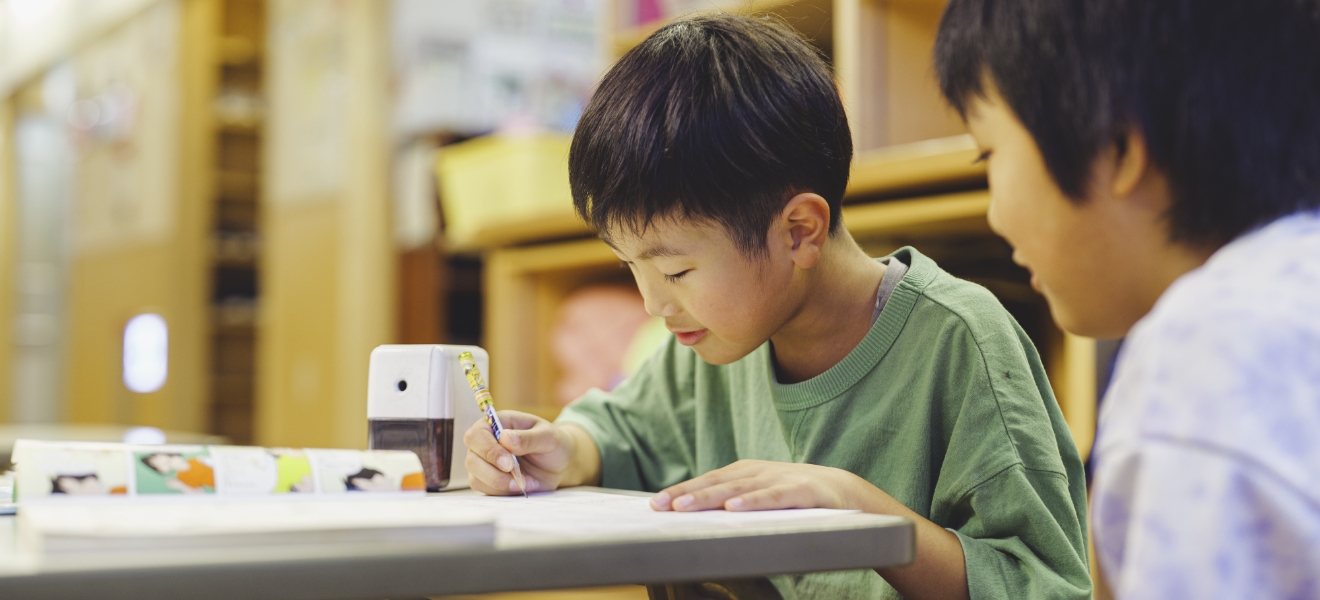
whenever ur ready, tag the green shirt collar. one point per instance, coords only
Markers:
(835, 381)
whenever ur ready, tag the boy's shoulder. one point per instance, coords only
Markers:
(952, 301)
(1253, 303)
(1226, 358)
(1278, 262)
(967, 333)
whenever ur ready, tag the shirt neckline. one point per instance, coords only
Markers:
(863, 358)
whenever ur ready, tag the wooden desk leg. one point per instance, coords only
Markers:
(741, 589)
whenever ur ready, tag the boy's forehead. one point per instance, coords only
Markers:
(660, 238)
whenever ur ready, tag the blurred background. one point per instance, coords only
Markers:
(212, 210)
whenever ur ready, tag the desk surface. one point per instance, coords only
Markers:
(852, 541)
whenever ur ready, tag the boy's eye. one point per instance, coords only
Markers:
(676, 276)
(984, 156)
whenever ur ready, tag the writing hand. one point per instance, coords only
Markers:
(544, 450)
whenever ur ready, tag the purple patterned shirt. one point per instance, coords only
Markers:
(1207, 481)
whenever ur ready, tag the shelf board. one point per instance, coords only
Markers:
(557, 257)
(236, 183)
(962, 212)
(520, 231)
(956, 213)
(942, 163)
(238, 50)
(809, 17)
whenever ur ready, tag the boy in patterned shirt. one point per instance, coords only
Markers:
(1156, 165)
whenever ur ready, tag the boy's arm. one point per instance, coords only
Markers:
(939, 570)
(1009, 491)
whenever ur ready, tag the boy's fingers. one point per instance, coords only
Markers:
(771, 498)
(713, 497)
(539, 439)
(481, 442)
(663, 499)
(538, 479)
(512, 419)
(485, 478)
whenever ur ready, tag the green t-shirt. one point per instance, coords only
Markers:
(944, 405)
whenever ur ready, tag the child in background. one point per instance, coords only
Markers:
(802, 373)
(1156, 164)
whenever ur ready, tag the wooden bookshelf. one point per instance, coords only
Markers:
(916, 167)
(915, 180)
(526, 285)
(811, 17)
(237, 115)
(895, 172)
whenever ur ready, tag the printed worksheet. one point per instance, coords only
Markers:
(587, 514)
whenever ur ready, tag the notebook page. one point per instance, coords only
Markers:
(583, 514)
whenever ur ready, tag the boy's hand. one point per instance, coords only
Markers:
(766, 485)
(939, 570)
(547, 453)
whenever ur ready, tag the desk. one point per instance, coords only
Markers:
(517, 562)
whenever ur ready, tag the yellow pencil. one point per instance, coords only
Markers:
(487, 405)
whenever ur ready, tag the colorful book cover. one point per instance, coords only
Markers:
(54, 471)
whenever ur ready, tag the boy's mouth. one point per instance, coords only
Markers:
(1035, 280)
(689, 338)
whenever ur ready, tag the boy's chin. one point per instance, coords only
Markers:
(719, 354)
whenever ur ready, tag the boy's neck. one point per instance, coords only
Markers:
(837, 302)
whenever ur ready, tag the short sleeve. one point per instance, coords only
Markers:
(1015, 538)
(643, 429)
(1011, 482)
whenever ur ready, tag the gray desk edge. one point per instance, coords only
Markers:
(433, 573)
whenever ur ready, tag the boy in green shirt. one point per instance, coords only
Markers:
(802, 373)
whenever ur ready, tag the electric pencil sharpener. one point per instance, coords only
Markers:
(419, 400)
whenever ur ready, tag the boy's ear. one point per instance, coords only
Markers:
(1131, 162)
(1125, 173)
(804, 227)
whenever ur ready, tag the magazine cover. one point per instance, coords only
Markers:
(56, 471)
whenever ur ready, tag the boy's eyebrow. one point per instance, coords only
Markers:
(653, 252)
(658, 251)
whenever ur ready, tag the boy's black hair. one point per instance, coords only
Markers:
(717, 117)
(1224, 93)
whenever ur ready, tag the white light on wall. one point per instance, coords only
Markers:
(146, 353)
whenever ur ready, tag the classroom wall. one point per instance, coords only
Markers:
(7, 202)
(139, 222)
(328, 263)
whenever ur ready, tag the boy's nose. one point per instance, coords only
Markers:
(657, 306)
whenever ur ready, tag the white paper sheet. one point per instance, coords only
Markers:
(582, 514)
